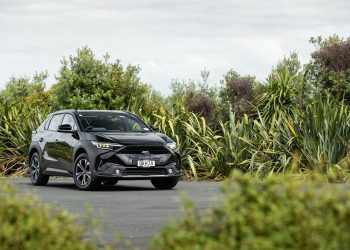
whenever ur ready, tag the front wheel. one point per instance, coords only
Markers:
(36, 175)
(165, 183)
(82, 174)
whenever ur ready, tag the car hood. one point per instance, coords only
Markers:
(151, 139)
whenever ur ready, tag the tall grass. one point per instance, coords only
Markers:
(16, 126)
(324, 136)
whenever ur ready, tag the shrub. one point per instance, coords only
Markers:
(329, 69)
(27, 225)
(85, 82)
(281, 98)
(323, 135)
(276, 213)
(241, 94)
(202, 105)
(16, 126)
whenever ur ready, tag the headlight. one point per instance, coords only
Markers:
(106, 145)
(171, 145)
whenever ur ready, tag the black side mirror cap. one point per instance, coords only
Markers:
(65, 128)
(154, 128)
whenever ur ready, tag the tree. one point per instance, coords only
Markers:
(86, 82)
(238, 93)
(196, 96)
(25, 90)
(329, 69)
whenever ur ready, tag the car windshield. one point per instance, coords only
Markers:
(111, 122)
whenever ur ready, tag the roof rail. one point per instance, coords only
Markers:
(64, 110)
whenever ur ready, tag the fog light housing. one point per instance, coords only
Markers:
(117, 171)
(170, 171)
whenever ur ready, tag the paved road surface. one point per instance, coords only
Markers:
(133, 208)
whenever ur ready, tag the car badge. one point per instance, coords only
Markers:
(145, 152)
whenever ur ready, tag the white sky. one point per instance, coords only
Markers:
(167, 38)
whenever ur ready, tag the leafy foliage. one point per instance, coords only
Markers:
(324, 135)
(238, 91)
(85, 82)
(329, 69)
(196, 97)
(28, 91)
(276, 213)
(16, 129)
(286, 125)
(27, 225)
(281, 96)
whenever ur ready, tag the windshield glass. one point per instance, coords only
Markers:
(111, 122)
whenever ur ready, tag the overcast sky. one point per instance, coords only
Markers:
(167, 38)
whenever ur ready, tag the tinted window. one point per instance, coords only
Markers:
(115, 122)
(69, 119)
(55, 122)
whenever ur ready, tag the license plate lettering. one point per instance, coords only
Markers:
(146, 163)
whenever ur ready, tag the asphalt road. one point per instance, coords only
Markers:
(132, 208)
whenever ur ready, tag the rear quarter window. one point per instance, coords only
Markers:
(47, 122)
(55, 122)
(44, 124)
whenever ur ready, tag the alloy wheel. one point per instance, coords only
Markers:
(34, 168)
(83, 172)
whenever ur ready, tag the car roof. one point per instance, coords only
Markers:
(89, 111)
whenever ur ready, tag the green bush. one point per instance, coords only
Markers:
(276, 213)
(16, 126)
(24, 224)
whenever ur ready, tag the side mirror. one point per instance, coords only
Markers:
(65, 128)
(154, 128)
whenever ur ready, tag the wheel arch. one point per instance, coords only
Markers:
(78, 152)
(33, 149)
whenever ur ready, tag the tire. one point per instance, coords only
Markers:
(165, 183)
(36, 174)
(109, 182)
(82, 175)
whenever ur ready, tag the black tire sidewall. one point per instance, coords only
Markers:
(165, 183)
(42, 179)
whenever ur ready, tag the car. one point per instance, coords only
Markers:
(102, 147)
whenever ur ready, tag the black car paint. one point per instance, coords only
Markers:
(58, 150)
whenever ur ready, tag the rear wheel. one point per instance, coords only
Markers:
(36, 175)
(82, 174)
(165, 183)
(109, 182)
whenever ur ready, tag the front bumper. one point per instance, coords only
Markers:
(122, 163)
(109, 170)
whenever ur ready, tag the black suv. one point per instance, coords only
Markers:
(97, 147)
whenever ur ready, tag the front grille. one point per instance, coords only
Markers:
(140, 149)
(145, 171)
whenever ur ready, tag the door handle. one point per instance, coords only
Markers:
(41, 139)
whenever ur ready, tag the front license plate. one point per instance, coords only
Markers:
(146, 163)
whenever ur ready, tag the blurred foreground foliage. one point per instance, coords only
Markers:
(26, 224)
(278, 212)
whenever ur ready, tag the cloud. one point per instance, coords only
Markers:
(168, 39)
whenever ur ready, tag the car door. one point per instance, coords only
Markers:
(51, 151)
(66, 142)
